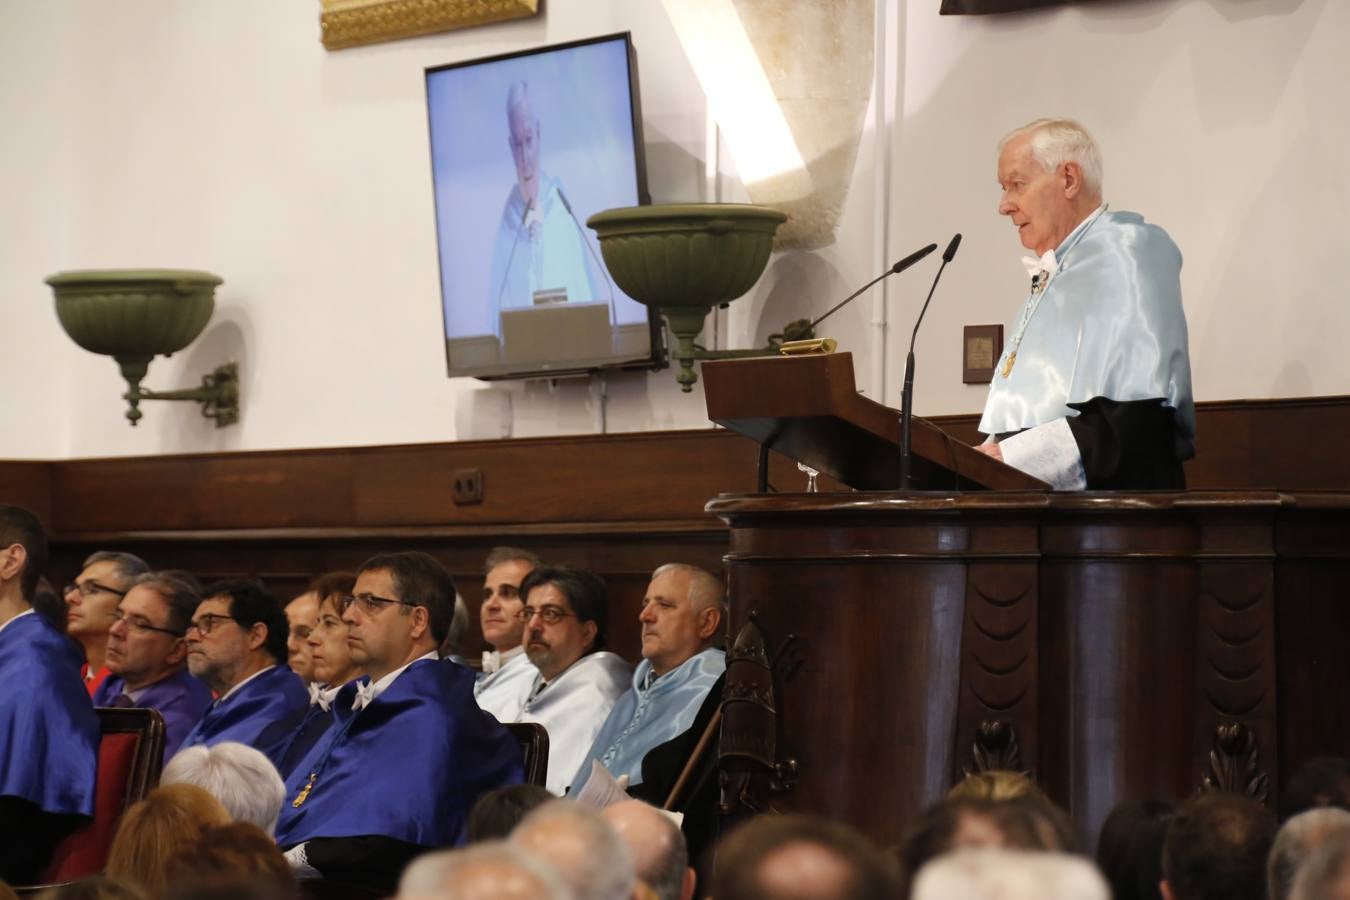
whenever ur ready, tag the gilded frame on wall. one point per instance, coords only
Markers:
(352, 23)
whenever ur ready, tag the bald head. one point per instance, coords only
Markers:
(493, 870)
(660, 853)
(578, 842)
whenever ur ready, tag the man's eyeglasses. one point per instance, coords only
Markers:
(140, 624)
(92, 587)
(207, 621)
(551, 615)
(372, 604)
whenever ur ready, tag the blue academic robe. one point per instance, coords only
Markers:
(646, 718)
(243, 715)
(289, 740)
(181, 699)
(408, 766)
(49, 733)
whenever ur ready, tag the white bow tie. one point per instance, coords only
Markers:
(319, 696)
(492, 661)
(365, 694)
(1046, 265)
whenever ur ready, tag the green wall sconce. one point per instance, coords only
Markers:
(687, 258)
(133, 315)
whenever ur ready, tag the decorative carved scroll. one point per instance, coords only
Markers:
(351, 23)
(750, 767)
(1235, 764)
(995, 748)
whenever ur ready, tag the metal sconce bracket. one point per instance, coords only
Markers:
(218, 395)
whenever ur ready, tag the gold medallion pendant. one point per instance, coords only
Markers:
(304, 792)
(1008, 363)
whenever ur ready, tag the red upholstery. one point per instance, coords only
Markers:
(85, 852)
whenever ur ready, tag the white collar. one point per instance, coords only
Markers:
(16, 618)
(493, 660)
(368, 692)
(225, 696)
(322, 695)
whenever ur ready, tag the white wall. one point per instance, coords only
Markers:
(219, 134)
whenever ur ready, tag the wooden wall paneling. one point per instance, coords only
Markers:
(28, 484)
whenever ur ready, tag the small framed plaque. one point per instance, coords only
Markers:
(981, 347)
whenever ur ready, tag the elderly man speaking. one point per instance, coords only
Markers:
(1094, 386)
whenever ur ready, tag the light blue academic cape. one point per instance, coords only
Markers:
(643, 719)
(1109, 324)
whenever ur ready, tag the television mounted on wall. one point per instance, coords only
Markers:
(524, 147)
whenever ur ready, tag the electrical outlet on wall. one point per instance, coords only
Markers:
(468, 487)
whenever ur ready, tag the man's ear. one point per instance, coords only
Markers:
(421, 621)
(1071, 177)
(16, 556)
(1166, 890)
(257, 635)
(687, 885)
(591, 630)
(178, 653)
(709, 619)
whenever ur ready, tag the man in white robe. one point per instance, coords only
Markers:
(576, 682)
(507, 673)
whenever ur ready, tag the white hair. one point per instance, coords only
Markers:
(705, 588)
(241, 778)
(1057, 141)
(595, 862)
(1298, 839)
(1325, 871)
(989, 874)
(442, 874)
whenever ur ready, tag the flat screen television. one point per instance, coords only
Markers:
(524, 147)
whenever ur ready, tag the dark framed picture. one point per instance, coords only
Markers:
(981, 346)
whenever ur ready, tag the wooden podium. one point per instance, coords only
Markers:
(1115, 645)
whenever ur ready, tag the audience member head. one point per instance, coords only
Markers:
(1297, 840)
(240, 777)
(453, 645)
(400, 610)
(793, 857)
(93, 597)
(1129, 848)
(1322, 781)
(99, 887)
(23, 556)
(660, 853)
(1326, 874)
(146, 642)
(577, 841)
(681, 615)
(505, 568)
(48, 604)
(1216, 848)
(496, 814)
(1051, 174)
(237, 631)
(995, 874)
(238, 859)
(995, 784)
(565, 614)
(187, 578)
(301, 614)
(169, 818)
(329, 653)
(493, 870)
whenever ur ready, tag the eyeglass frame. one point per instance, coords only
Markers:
(92, 587)
(195, 624)
(346, 601)
(119, 616)
(549, 615)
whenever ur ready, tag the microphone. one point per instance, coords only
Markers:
(907, 393)
(506, 273)
(896, 269)
(613, 315)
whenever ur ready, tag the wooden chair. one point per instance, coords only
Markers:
(533, 740)
(130, 756)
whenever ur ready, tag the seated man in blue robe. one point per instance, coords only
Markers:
(651, 733)
(147, 656)
(409, 751)
(237, 647)
(1093, 389)
(49, 731)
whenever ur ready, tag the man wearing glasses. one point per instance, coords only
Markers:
(409, 750)
(47, 722)
(575, 681)
(236, 645)
(147, 656)
(91, 607)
